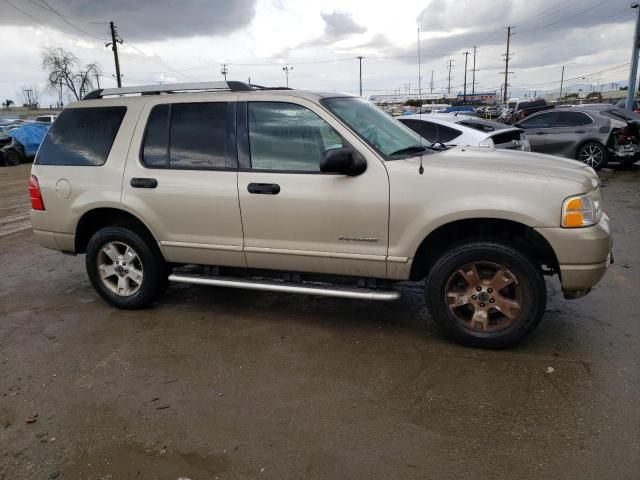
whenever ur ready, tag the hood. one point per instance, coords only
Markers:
(490, 160)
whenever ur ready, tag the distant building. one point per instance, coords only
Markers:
(488, 97)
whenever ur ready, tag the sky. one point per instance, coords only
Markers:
(169, 41)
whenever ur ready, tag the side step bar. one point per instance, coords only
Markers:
(357, 293)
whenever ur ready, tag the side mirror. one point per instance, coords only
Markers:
(342, 160)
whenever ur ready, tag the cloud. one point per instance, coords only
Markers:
(142, 20)
(339, 26)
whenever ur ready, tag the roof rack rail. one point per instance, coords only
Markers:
(230, 86)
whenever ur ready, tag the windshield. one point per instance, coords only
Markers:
(387, 135)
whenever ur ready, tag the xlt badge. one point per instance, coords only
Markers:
(348, 238)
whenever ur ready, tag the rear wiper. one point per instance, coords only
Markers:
(411, 149)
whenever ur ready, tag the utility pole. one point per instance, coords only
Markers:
(464, 94)
(28, 92)
(360, 57)
(473, 81)
(115, 40)
(506, 66)
(450, 66)
(60, 81)
(431, 84)
(286, 70)
(224, 70)
(97, 75)
(561, 83)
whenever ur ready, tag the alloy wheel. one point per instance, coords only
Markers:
(120, 268)
(592, 155)
(484, 296)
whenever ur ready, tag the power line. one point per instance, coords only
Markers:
(562, 19)
(90, 22)
(68, 22)
(158, 61)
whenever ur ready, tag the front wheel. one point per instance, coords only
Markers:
(124, 268)
(486, 294)
(593, 154)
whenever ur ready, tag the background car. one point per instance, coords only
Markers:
(46, 118)
(623, 105)
(466, 131)
(595, 134)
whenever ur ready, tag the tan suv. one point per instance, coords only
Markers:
(317, 193)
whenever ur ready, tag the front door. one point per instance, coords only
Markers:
(294, 216)
(537, 127)
(181, 178)
(568, 128)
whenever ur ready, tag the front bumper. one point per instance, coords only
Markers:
(583, 253)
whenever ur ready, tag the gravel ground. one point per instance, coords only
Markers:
(220, 383)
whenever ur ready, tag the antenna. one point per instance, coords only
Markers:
(421, 169)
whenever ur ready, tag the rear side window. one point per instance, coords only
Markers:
(81, 137)
(446, 134)
(423, 128)
(572, 119)
(187, 136)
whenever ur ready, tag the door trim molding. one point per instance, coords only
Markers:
(314, 253)
(205, 246)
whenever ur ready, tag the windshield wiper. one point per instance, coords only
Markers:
(411, 149)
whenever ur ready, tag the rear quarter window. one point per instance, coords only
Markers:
(81, 137)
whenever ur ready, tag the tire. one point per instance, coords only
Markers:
(475, 318)
(114, 279)
(593, 154)
(12, 158)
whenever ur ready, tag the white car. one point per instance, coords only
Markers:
(46, 118)
(462, 130)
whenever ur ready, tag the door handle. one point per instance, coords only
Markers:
(540, 133)
(144, 182)
(579, 131)
(264, 188)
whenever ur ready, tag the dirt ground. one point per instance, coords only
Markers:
(220, 383)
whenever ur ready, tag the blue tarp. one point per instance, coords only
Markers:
(30, 135)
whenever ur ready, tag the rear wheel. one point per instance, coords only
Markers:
(12, 158)
(593, 154)
(124, 268)
(486, 294)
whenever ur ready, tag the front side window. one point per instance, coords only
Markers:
(384, 133)
(186, 136)
(286, 136)
(81, 137)
(538, 121)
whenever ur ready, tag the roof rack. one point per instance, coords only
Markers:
(230, 86)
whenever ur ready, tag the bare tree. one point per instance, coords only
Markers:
(30, 95)
(7, 103)
(64, 71)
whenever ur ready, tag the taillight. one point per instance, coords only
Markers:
(35, 194)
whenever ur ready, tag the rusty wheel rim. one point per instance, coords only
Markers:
(484, 296)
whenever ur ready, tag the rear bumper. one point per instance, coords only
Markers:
(583, 253)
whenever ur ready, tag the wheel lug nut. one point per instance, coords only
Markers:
(482, 304)
(492, 300)
(489, 290)
(478, 288)
(127, 271)
(474, 297)
(117, 263)
(124, 264)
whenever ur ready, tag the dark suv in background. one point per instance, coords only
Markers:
(593, 134)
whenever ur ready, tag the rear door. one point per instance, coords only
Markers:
(567, 132)
(537, 127)
(296, 217)
(181, 179)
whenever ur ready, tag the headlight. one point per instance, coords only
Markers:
(582, 210)
(487, 142)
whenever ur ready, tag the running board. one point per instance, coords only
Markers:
(358, 293)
